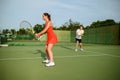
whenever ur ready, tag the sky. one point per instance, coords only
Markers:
(12, 12)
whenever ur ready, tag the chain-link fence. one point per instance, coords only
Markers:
(102, 35)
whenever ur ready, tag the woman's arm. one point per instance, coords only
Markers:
(43, 31)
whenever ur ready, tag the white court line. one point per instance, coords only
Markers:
(101, 53)
(72, 56)
(6, 59)
(77, 56)
(104, 54)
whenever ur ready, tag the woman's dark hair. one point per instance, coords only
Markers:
(48, 15)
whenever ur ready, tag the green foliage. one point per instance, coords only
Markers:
(22, 31)
(69, 26)
(107, 22)
(37, 28)
(5, 31)
(13, 31)
(25, 37)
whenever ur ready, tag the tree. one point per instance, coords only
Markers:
(107, 22)
(70, 25)
(37, 28)
(5, 31)
(13, 31)
(22, 31)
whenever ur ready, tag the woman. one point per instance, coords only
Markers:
(51, 39)
(78, 38)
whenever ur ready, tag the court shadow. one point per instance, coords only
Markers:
(42, 54)
(66, 47)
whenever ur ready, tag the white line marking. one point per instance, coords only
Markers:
(77, 56)
(104, 54)
(5, 59)
(72, 56)
(117, 56)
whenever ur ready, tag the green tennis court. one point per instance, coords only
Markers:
(22, 61)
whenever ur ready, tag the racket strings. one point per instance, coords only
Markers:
(28, 27)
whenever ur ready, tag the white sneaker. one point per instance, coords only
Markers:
(46, 61)
(50, 64)
(76, 50)
(81, 49)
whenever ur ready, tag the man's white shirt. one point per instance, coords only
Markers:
(79, 33)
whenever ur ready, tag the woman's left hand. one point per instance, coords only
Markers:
(37, 35)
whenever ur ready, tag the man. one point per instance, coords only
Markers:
(79, 33)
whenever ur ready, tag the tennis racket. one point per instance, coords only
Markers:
(27, 26)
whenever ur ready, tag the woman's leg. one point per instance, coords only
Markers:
(47, 55)
(50, 53)
(47, 60)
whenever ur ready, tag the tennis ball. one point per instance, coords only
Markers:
(33, 32)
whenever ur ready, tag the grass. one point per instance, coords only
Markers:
(23, 62)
